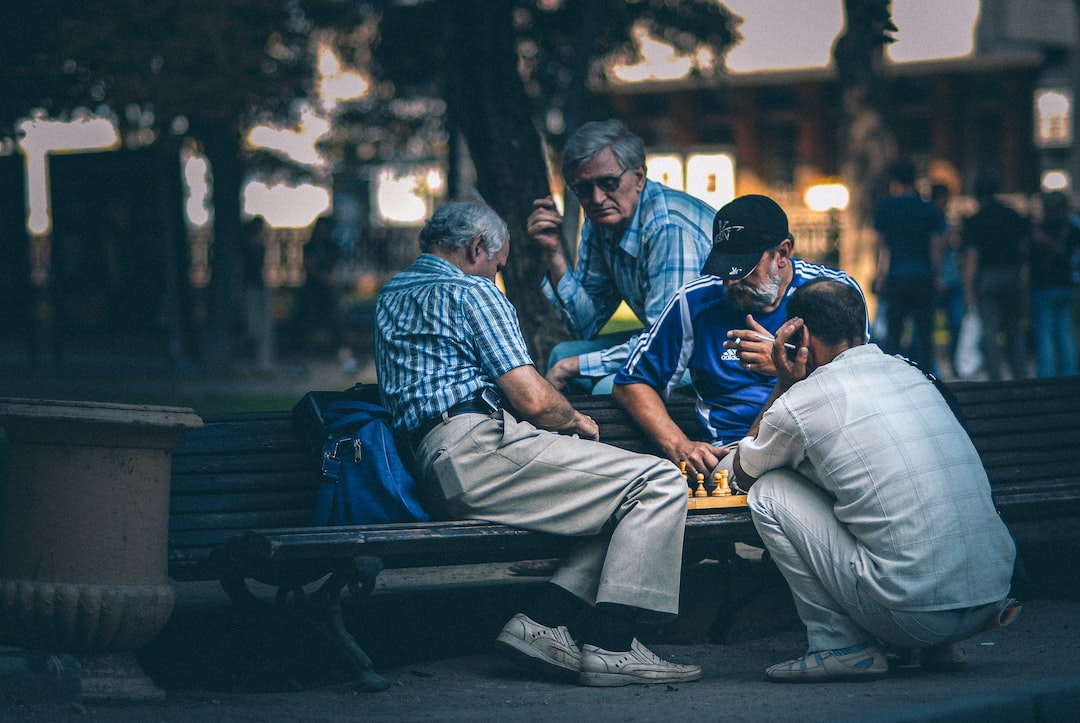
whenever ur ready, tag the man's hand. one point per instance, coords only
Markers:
(585, 427)
(791, 369)
(563, 371)
(700, 457)
(754, 346)
(544, 224)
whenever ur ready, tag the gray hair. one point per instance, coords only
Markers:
(455, 224)
(593, 137)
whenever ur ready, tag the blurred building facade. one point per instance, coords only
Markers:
(1008, 108)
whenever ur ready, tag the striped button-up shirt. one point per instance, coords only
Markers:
(441, 336)
(664, 246)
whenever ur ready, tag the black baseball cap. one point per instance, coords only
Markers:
(742, 231)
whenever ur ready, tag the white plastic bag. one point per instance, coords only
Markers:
(969, 358)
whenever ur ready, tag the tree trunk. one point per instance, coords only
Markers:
(487, 97)
(866, 142)
(221, 143)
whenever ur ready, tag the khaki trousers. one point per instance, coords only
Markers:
(629, 509)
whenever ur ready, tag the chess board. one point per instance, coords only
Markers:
(703, 495)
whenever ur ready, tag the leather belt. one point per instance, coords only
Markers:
(469, 406)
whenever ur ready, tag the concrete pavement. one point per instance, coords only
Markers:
(430, 632)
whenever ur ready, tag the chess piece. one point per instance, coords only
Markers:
(700, 491)
(721, 488)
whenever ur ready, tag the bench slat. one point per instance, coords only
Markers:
(210, 484)
(465, 542)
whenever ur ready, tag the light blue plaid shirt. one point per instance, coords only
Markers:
(664, 246)
(441, 336)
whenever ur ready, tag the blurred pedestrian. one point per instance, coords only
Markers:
(1054, 244)
(995, 243)
(907, 227)
(258, 299)
(319, 300)
(950, 281)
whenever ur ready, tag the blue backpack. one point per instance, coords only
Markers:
(364, 480)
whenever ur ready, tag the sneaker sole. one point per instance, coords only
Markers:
(615, 680)
(796, 677)
(518, 651)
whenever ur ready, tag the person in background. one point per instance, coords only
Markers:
(640, 241)
(258, 299)
(995, 247)
(871, 499)
(1054, 245)
(320, 303)
(908, 229)
(950, 280)
(493, 440)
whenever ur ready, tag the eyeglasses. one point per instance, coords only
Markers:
(607, 184)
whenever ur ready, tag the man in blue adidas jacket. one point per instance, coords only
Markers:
(720, 328)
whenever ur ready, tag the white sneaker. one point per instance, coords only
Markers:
(859, 662)
(604, 668)
(550, 649)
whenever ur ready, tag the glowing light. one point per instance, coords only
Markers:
(336, 83)
(1056, 180)
(197, 188)
(41, 137)
(711, 177)
(666, 169)
(285, 206)
(827, 197)
(1053, 117)
(297, 143)
(405, 197)
(659, 61)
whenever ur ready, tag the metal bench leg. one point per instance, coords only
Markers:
(359, 575)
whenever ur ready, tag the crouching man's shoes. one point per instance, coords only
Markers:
(859, 662)
(604, 668)
(549, 650)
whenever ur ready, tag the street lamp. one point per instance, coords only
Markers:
(832, 197)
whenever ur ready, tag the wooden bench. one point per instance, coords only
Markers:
(243, 490)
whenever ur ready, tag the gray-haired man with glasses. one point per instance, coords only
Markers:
(640, 242)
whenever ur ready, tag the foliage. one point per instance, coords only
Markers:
(163, 63)
(568, 46)
(563, 47)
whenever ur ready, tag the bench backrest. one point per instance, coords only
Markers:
(240, 472)
(250, 470)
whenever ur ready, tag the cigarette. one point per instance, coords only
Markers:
(762, 337)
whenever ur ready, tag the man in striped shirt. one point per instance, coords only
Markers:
(494, 441)
(720, 328)
(640, 242)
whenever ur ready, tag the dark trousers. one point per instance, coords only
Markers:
(911, 299)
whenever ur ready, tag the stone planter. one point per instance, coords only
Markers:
(84, 517)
